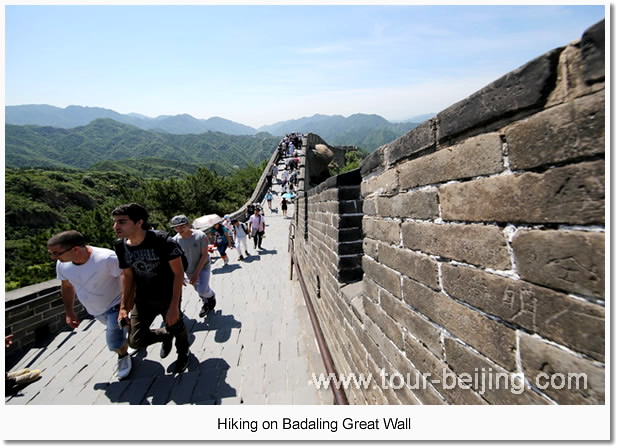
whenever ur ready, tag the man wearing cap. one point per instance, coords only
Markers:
(91, 274)
(195, 246)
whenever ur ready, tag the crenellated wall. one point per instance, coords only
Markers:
(483, 245)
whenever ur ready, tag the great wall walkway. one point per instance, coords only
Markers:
(257, 348)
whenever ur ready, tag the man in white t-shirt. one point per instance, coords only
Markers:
(92, 275)
(194, 244)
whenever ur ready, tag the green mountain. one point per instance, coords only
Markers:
(109, 140)
(365, 131)
(74, 116)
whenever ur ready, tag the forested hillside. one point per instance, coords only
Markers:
(109, 140)
(42, 202)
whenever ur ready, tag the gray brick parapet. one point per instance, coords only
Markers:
(482, 242)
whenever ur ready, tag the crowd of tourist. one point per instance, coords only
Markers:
(143, 276)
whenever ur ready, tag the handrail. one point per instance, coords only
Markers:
(338, 393)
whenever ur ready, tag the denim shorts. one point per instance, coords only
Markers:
(114, 336)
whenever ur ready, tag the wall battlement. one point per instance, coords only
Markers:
(481, 243)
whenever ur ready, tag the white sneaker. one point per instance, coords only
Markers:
(124, 367)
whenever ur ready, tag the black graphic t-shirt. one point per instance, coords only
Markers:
(154, 278)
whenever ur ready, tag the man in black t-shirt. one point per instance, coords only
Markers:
(152, 282)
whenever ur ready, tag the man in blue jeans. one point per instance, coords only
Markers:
(91, 274)
(195, 246)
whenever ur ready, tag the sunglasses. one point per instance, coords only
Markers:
(57, 254)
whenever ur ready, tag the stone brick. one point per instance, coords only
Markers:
(541, 358)
(373, 162)
(351, 206)
(523, 88)
(559, 134)
(593, 52)
(370, 248)
(349, 193)
(572, 322)
(370, 206)
(371, 289)
(412, 322)
(494, 340)
(416, 266)
(475, 244)
(391, 356)
(383, 230)
(422, 204)
(476, 156)
(572, 194)
(384, 183)
(475, 371)
(567, 260)
(383, 276)
(388, 326)
(418, 139)
(427, 363)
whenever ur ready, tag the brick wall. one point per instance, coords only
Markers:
(35, 312)
(483, 245)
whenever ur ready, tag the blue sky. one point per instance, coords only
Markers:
(261, 64)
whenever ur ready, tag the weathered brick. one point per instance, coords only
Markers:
(382, 230)
(370, 248)
(523, 88)
(559, 134)
(383, 276)
(494, 340)
(575, 323)
(416, 266)
(475, 244)
(475, 371)
(572, 194)
(418, 139)
(391, 356)
(476, 156)
(568, 260)
(384, 183)
(541, 358)
(370, 206)
(350, 206)
(373, 162)
(422, 204)
(388, 326)
(409, 319)
(593, 52)
(426, 362)
(371, 289)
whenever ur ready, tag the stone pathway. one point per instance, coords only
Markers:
(257, 348)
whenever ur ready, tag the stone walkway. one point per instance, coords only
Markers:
(257, 348)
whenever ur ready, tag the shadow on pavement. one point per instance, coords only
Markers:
(226, 268)
(217, 321)
(201, 383)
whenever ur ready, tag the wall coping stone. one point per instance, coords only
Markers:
(20, 295)
(593, 53)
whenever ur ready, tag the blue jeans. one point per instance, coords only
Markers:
(203, 284)
(114, 336)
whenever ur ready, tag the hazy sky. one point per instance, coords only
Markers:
(257, 65)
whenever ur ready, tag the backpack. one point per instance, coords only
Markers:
(162, 238)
